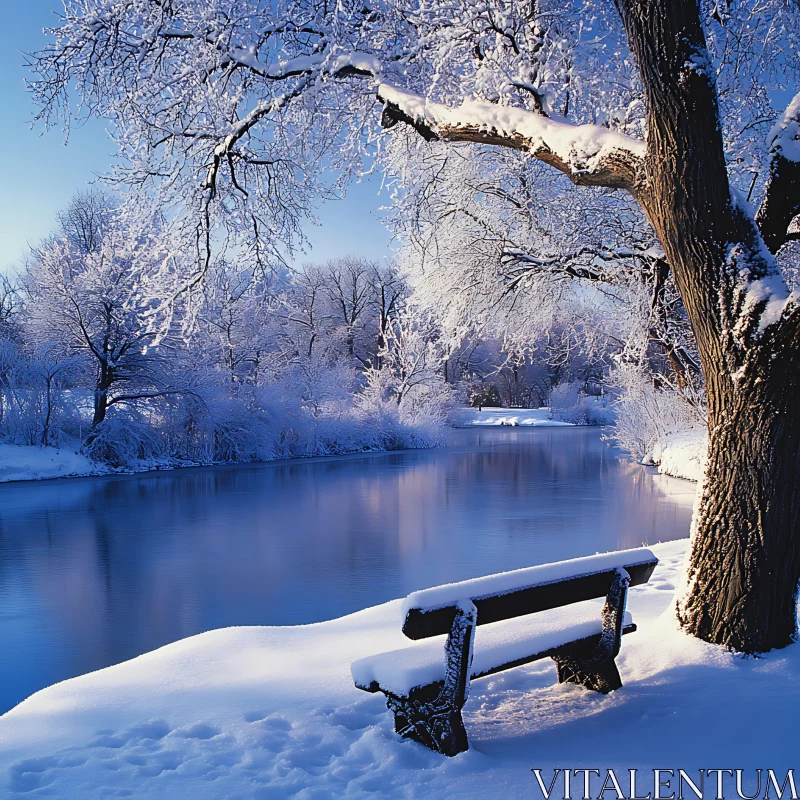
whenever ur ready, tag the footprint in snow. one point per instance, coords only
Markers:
(199, 731)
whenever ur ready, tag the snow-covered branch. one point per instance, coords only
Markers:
(589, 155)
(581, 264)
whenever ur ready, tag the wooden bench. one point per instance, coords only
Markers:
(427, 684)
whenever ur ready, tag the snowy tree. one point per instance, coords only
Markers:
(305, 309)
(389, 294)
(85, 221)
(240, 106)
(10, 303)
(51, 370)
(99, 303)
(239, 329)
(348, 286)
(364, 299)
(349, 300)
(409, 376)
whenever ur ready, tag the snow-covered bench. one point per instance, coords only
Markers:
(426, 684)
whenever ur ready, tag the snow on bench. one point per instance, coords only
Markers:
(523, 591)
(513, 641)
(486, 625)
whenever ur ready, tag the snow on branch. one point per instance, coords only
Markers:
(580, 264)
(781, 202)
(785, 134)
(242, 117)
(761, 300)
(588, 154)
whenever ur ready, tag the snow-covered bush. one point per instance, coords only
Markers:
(126, 439)
(646, 413)
(37, 405)
(570, 403)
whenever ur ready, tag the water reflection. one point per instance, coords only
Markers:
(95, 571)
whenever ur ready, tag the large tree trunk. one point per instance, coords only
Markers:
(745, 558)
(746, 551)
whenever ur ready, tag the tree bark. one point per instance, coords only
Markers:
(745, 555)
(100, 406)
(781, 202)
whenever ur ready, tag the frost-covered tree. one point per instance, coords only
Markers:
(236, 108)
(347, 302)
(389, 294)
(306, 313)
(52, 369)
(96, 294)
(365, 297)
(409, 374)
(10, 303)
(239, 326)
(349, 288)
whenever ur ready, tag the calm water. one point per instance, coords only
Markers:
(95, 571)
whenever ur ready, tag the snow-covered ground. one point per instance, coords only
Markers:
(272, 713)
(682, 455)
(19, 463)
(467, 417)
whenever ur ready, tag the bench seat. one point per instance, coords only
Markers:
(498, 646)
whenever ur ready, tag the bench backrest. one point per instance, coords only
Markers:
(431, 612)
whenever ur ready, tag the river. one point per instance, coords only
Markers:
(94, 571)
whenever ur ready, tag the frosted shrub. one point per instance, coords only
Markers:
(407, 401)
(126, 440)
(646, 414)
(241, 431)
(424, 415)
(569, 403)
(211, 427)
(189, 430)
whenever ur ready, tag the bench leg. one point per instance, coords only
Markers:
(431, 715)
(436, 724)
(603, 678)
(597, 670)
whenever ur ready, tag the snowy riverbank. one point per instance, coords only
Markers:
(682, 455)
(272, 713)
(19, 463)
(25, 463)
(31, 463)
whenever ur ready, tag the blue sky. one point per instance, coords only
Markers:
(40, 173)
